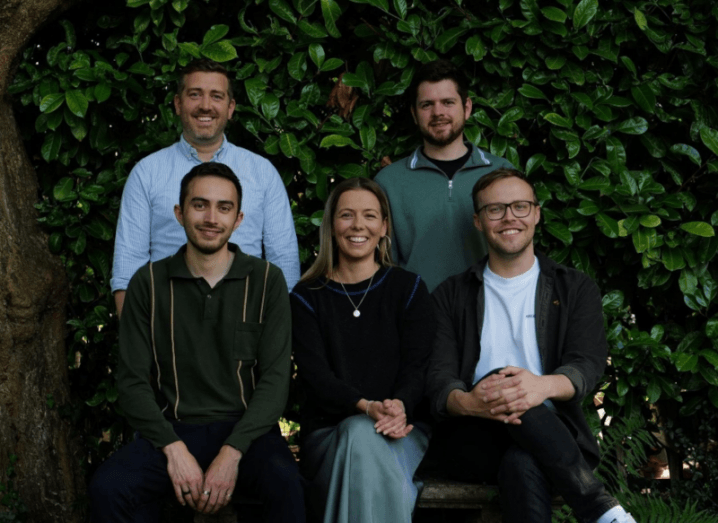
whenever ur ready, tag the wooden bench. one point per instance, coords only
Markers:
(444, 500)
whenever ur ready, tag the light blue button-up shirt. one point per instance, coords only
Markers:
(148, 230)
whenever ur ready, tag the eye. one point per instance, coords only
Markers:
(198, 205)
(494, 209)
(225, 208)
(521, 206)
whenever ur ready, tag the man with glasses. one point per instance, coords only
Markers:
(520, 343)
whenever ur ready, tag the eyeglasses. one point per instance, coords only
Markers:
(496, 211)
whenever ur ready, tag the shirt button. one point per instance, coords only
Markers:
(209, 296)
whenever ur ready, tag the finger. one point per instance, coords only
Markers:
(398, 434)
(510, 370)
(388, 421)
(214, 498)
(398, 423)
(178, 493)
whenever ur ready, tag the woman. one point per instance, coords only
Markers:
(362, 333)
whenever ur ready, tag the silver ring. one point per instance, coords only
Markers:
(206, 492)
(229, 496)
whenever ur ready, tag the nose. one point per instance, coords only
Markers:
(205, 103)
(210, 215)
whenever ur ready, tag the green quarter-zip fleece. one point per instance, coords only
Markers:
(197, 354)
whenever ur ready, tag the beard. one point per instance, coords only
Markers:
(440, 141)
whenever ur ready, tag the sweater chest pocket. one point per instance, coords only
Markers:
(246, 341)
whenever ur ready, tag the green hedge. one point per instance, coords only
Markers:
(610, 108)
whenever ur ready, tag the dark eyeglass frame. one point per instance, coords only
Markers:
(506, 206)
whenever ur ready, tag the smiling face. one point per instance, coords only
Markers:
(440, 113)
(210, 214)
(204, 106)
(357, 226)
(508, 238)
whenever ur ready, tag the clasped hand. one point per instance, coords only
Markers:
(507, 395)
(390, 418)
(208, 492)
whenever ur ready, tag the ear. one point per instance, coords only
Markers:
(538, 215)
(477, 223)
(467, 108)
(179, 215)
(384, 228)
(413, 114)
(230, 110)
(177, 104)
(240, 217)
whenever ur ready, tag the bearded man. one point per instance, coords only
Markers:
(430, 190)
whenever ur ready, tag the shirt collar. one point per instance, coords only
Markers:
(190, 152)
(241, 267)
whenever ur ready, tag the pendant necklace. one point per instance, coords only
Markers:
(356, 312)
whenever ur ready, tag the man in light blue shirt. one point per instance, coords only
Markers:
(147, 229)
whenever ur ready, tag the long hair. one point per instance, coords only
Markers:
(324, 264)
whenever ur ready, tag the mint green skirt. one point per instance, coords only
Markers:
(359, 476)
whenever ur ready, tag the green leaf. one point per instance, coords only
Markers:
(351, 170)
(559, 120)
(270, 105)
(650, 220)
(63, 190)
(289, 145)
(709, 137)
(635, 125)
(312, 29)
(51, 102)
(640, 19)
(336, 140)
(222, 51)
(711, 356)
(687, 150)
(686, 362)
(653, 391)
(255, 90)
(673, 259)
(102, 92)
(584, 13)
(475, 47)
(554, 14)
(316, 53)
(331, 64)
(100, 229)
(699, 229)
(401, 8)
(534, 163)
(713, 395)
(215, 34)
(588, 208)
(555, 63)
(368, 137)
(530, 91)
(596, 183)
(448, 39)
(331, 12)
(560, 231)
(644, 97)
(297, 65)
(607, 225)
(76, 102)
(51, 146)
(282, 10)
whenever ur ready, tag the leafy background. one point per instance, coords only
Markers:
(610, 108)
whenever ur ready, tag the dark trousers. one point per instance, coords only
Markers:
(130, 485)
(528, 460)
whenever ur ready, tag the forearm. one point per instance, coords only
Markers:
(558, 387)
(119, 301)
(456, 403)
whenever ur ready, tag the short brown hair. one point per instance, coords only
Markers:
(494, 176)
(204, 65)
(437, 71)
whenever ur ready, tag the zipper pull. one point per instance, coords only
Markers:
(451, 184)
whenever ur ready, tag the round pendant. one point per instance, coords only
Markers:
(357, 313)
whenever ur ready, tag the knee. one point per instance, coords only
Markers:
(519, 467)
(357, 432)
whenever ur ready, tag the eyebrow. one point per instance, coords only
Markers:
(205, 200)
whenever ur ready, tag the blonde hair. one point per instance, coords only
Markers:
(326, 259)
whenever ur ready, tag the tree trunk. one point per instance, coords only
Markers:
(33, 296)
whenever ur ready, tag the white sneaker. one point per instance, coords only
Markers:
(616, 515)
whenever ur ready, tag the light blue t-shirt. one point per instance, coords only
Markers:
(508, 335)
